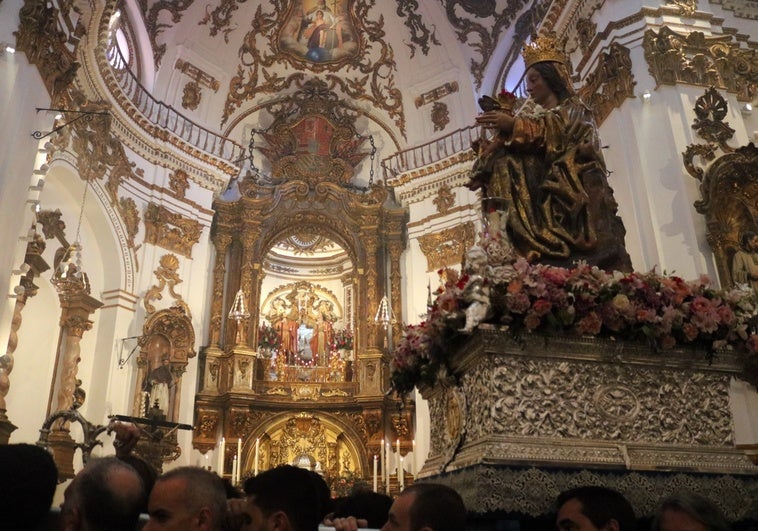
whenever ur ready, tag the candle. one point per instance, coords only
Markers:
(401, 473)
(257, 445)
(398, 448)
(221, 450)
(387, 468)
(207, 461)
(239, 457)
(234, 470)
(376, 467)
(413, 463)
(384, 457)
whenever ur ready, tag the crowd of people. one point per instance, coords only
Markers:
(120, 493)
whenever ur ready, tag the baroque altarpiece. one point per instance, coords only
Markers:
(304, 258)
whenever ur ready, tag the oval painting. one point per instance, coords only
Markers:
(319, 31)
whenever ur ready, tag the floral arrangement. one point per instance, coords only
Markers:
(268, 337)
(343, 339)
(662, 311)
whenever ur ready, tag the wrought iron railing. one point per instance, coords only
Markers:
(165, 116)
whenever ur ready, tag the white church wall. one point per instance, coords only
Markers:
(21, 90)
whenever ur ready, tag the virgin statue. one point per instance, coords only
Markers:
(545, 165)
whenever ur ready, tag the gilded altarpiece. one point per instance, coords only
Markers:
(299, 404)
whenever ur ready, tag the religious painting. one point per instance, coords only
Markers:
(318, 31)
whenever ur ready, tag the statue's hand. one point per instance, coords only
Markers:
(500, 120)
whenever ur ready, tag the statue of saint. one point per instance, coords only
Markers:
(158, 385)
(323, 332)
(745, 261)
(544, 164)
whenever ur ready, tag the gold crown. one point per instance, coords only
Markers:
(543, 49)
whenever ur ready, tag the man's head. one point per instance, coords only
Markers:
(283, 498)
(688, 511)
(594, 508)
(187, 499)
(106, 495)
(427, 507)
(27, 492)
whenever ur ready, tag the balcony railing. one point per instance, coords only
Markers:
(166, 117)
(431, 152)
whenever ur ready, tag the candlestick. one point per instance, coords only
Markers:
(221, 450)
(376, 466)
(234, 470)
(401, 474)
(257, 444)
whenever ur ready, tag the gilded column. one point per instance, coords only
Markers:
(395, 251)
(76, 307)
(372, 287)
(249, 278)
(221, 242)
(213, 354)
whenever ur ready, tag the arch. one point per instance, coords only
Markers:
(319, 425)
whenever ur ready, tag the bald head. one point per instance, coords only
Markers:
(106, 495)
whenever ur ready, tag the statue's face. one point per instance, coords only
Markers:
(537, 88)
(753, 244)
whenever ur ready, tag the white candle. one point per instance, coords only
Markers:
(398, 454)
(414, 468)
(239, 458)
(207, 461)
(234, 470)
(387, 468)
(401, 474)
(376, 467)
(384, 458)
(257, 445)
(221, 450)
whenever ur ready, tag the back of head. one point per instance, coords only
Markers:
(28, 477)
(369, 505)
(438, 507)
(146, 472)
(108, 495)
(324, 494)
(695, 506)
(600, 505)
(202, 488)
(288, 489)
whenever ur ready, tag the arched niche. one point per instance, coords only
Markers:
(166, 345)
(317, 441)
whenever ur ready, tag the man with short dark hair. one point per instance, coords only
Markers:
(106, 495)
(187, 499)
(285, 498)
(427, 507)
(28, 478)
(594, 508)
